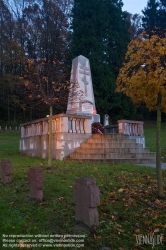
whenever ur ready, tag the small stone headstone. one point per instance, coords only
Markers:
(36, 182)
(5, 128)
(6, 170)
(86, 197)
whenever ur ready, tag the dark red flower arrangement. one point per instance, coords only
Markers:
(97, 128)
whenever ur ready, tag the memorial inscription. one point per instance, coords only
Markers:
(87, 107)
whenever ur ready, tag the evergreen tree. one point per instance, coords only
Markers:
(162, 16)
(150, 18)
(154, 19)
(100, 32)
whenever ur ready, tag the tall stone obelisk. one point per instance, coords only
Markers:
(81, 97)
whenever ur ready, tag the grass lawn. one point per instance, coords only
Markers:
(129, 203)
(150, 137)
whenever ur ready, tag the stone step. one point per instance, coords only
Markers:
(109, 136)
(112, 140)
(113, 150)
(120, 160)
(111, 145)
(83, 155)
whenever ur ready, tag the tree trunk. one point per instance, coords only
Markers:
(30, 114)
(8, 108)
(158, 149)
(50, 139)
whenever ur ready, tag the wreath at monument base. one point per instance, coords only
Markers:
(97, 128)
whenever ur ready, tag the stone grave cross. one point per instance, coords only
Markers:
(86, 72)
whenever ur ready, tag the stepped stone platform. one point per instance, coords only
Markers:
(113, 148)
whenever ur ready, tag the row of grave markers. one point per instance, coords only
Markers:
(86, 194)
(10, 128)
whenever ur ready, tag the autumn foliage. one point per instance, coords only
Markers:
(143, 75)
(143, 79)
(46, 82)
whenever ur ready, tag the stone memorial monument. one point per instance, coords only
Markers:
(81, 97)
(6, 170)
(106, 120)
(86, 197)
(36, 182)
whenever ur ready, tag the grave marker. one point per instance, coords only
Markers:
(36, 182)
(6, 170)
(86, 197)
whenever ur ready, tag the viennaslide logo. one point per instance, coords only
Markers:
(150, 239)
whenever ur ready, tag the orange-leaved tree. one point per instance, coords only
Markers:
(143, 78)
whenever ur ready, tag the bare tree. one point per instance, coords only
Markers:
(47, 83)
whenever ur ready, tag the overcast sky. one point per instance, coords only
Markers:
(134, 6)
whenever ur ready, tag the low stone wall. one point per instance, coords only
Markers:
(132, 128)
(68, 133)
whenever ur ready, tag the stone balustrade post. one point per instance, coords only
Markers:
(78, 126)
(87, 126)
(45, 127)
(74, 125)
(82, 126)
(22, 131)
(63, 124)
(69, 125)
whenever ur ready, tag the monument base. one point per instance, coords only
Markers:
(95, 117)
